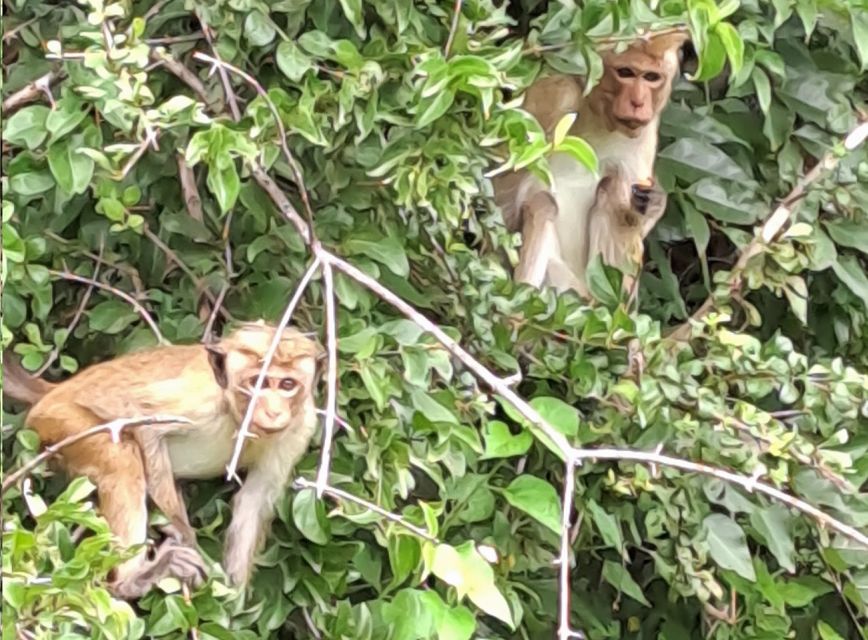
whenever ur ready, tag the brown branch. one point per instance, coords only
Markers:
(30, 93)
(301, 483)
(772, 227)
(114, 427)
(189, 190)
(244, 428)
(224, 77)
(290, 159)
(453, 28)
(78, 313)
(183, 73)
(322, 476)
(66, 275)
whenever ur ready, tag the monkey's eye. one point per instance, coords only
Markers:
(652, 76)
(288, 384)
(625, 72)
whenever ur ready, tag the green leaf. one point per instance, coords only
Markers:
(537, 498)
(563, 128)
(431, 109)
(387, 251)
(73, 171)
(471, 575)
(559, 414)
(763, 88)
(727, 545)
(616, 575)
(848, 233)
(732, 43)
(27, 126)
(694, 159)
(500, 443)
(852, 275)
(859, 24)
(258, 29)
(827, 631)
(607, 525)
(66, 116)
(775, 525)
(308, 517)
(353, 12)
(111, 316)
(225, 185)
(599, 285)
(292, 61)
(579, 150)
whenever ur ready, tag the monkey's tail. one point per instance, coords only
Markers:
(20, 385)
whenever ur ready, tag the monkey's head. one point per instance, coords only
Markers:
(636, 83)
(288, 385)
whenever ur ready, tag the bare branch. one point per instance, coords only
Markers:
(75, 318)
(114, 427)
(244, 429)
(322, 476)
(301, 483)
(66, 275)
(772, 226)
(564, 630)
(290, 159)
(453, 28)
(224, 77)
(189, 189)
(30, 93)
(748, 482)
(183, 73)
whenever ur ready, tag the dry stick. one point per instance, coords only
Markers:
(224, 77)
(493, 381)
(79, 311)
(749, 483)
(322, 476)
(120, 294)
(114, 427)
(773, 226)
(453, 28)
(564, 631)
(244, 429)
(31, 92)
(192, 199)
(183, 73)
(302, 483)
(290, 159)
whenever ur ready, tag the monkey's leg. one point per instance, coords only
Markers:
(161, 483)
(539, 241)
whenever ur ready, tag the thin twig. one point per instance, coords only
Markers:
(750, 483)
(244, 429)
(290, 159)
(224, 77)
(302, 483)
(114, 427)
(772, 227)
(322, 476)
(564, 630)
(31, 92)
(78, 313)
(183, 73)
(453, 28)
(310, 625)
(212, 317)
(120, 294)
(189, 190)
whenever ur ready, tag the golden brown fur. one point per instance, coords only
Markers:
(210, 387)
(619, 118)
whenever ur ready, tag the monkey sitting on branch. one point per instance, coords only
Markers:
(208, 385)
(619, 118)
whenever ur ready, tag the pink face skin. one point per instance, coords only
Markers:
(635, 85)
(275, 405)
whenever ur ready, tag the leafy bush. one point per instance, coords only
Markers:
(395, 140)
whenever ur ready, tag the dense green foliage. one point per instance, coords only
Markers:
(395, 141)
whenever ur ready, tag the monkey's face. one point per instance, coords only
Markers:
(288, 383)
(281, 398)
(635, 86)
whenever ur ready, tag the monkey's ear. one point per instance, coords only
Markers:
(217, 360)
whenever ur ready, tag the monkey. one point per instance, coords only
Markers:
(210, 386)
(619, 118)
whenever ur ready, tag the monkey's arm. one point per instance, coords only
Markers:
(539, 242)
(253, 505)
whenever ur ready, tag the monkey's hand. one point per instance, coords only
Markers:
(171, 560)
(649, 200)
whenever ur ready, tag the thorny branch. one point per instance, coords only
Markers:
(340, 494)
(120, 294)
(114, 427)
(322, 477)
(244, 429)
(31, 92)
(772, 227)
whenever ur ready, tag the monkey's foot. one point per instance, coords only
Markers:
(171, 560)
